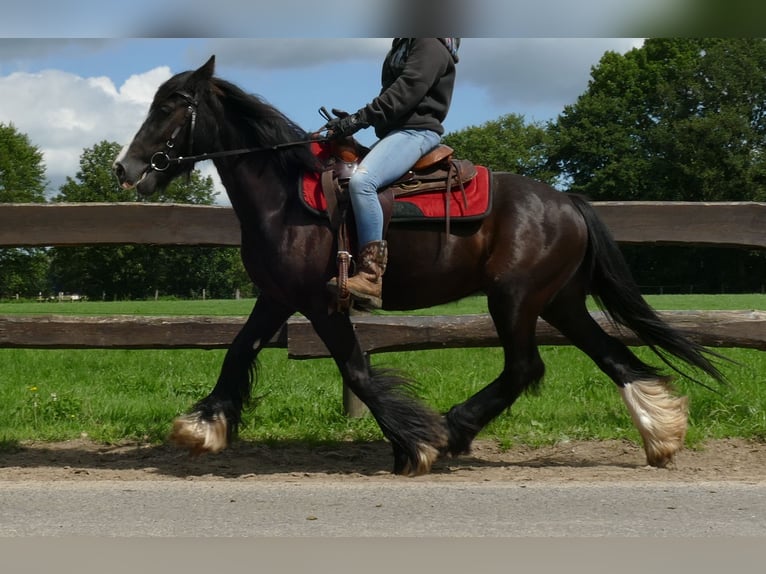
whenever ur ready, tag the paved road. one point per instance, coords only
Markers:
(420, 509)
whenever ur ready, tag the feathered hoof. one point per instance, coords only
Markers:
(425, 456)
(199, 435)
(660, 416)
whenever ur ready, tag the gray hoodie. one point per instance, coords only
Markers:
(417, 80)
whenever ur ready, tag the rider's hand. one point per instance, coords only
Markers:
(344, 126)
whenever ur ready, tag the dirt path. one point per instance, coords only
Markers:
(722, 460)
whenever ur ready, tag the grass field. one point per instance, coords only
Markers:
(113, 395)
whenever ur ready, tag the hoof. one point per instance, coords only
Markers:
(425, 456)
(461, 434)
(199, 435)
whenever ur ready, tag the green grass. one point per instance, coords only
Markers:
(113, 395)
(222, 307)
(228, 307)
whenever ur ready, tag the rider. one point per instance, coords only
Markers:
(417, 80)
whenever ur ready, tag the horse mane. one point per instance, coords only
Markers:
(253, 122)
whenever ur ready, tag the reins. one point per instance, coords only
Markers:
(167, 161)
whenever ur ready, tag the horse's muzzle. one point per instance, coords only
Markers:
(127, 176)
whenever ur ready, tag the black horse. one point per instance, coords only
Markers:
(539, 253)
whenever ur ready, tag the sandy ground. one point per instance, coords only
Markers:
(721, 460)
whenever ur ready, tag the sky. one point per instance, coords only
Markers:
(75, 73)
(68, 94)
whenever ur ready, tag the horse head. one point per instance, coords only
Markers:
(153, 159)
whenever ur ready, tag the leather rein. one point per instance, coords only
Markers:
(161, 160)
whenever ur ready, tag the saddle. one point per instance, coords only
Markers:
(435, 172)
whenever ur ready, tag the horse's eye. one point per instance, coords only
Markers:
(162, 110)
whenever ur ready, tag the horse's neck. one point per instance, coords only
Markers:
(257, 195)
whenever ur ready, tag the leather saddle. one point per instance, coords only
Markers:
(436, 171)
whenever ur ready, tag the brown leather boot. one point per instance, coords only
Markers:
(366, 286)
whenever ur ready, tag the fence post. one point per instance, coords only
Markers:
(353, 407)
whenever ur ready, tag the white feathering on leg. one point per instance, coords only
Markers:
(426, 456)
(660, 416)
(199, 435)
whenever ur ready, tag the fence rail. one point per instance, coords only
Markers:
(377, 333)
(739, 224)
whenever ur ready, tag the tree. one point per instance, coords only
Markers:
(22, 179)
(23, 272)
(140, 271)
(506, 144)
(22, 170)
(677, 119)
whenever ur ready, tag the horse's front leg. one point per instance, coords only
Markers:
(417, 433)
(213, 420)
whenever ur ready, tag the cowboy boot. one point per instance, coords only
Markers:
(366, 286)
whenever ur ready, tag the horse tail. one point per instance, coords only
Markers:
(617, 294)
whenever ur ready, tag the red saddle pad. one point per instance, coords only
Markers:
(432, 205)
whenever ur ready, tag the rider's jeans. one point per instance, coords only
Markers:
(387, 161)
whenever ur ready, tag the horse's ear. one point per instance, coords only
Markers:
(205, 72)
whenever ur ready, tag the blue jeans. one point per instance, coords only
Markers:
(387, 161)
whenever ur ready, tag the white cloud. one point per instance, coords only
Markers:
(140, 89)
(62, 113)
(105, 84)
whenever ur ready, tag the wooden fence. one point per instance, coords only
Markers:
(738, 225)
(741, 225)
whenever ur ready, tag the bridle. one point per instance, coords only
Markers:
(161, 160)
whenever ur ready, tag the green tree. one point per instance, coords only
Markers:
(23, 273)
(22, 170)
(506, 144)
(140, 271)
(22, 180)
(679, 119)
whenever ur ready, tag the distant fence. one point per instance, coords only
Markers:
(740, 224)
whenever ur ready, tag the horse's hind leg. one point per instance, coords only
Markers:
(523, 368)
(658, 413)
(213, 420)
(416, 432)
